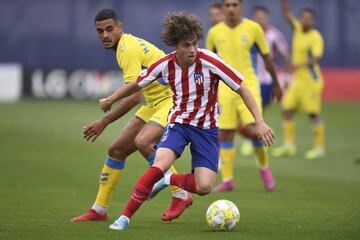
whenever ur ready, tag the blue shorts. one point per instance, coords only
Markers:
(266, 94)
(204, 144)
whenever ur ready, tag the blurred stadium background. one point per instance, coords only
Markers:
(55, 44)
(49, 51)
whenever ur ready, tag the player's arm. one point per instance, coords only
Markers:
(311, 61)
(277, 92)
(146, 77)
(289, 16)
(263, 130)
(93, 130)
(121, 93)
(234, 80)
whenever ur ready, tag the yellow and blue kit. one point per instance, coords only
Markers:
(238, 47)
(304, 92)
(134, 54)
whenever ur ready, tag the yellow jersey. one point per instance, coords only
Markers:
(305, 45)
(239, 46)
(134, 54)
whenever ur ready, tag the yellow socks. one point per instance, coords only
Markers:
(110, 176)
(319, 132)
(227, 156)
(261, 153)
(289, 132)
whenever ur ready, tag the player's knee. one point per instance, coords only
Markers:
(226, 135)
(116, 152)
(288, 115)
(204, 188)
(142, 144)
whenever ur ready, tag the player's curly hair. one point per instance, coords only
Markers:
(180, 26)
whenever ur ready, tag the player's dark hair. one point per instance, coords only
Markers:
(309, 10)
(216, 5)
(180, 26)
(106, 14)
(260, 8)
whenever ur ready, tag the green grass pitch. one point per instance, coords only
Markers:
(49, 174)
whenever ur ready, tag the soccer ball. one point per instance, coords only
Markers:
(222, 215)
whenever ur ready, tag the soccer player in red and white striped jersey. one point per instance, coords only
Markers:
(193, 75)
(278, 47)
(194, 88)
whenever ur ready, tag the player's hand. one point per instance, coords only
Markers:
(264, 133)
(92, 131)
(277, 93)
(105, 104)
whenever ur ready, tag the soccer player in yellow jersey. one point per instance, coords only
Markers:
(237, 41)
(144, 130)
(305, 91)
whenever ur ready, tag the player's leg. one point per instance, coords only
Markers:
(246, 148)
(227, 159)
(228, 121)
(312, 105)
(289, 106)
(266, 95)
(150, 136)
(170, 147)
(205, 153)
(145, 141)
(113, 167)
(204, 150)
(164, 159)
(260, 150)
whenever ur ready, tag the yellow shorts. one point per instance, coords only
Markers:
(303, 95)
(157, 113)
(233, 110)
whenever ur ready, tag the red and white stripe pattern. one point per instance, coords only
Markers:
(278, 46)
(194, 88)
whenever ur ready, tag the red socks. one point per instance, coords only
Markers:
(142, 190)
(184, 181)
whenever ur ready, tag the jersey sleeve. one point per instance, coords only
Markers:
(260, 41)
(130, 63)
(317, 46)
(225, 72)
(209, 44)
(295, 24)
(152, 73)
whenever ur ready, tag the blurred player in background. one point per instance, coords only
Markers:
(237, 40)
(193, 75)
(216, 13)
(278, 47)
(305, 91)
(144, 130)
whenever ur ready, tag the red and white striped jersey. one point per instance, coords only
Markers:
(277, 45)
(194, 88)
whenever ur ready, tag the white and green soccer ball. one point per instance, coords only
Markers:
(222, 215)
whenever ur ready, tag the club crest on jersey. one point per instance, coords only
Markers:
(198, 77)
(244, 39)
(143, 72)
